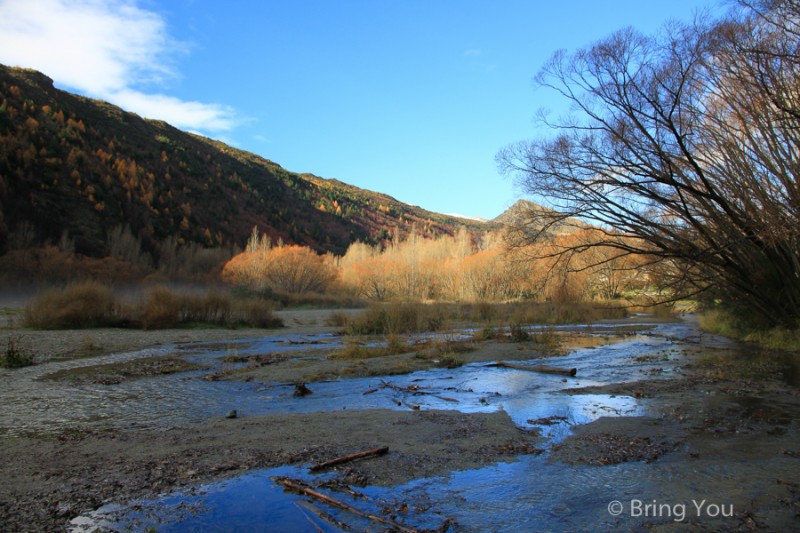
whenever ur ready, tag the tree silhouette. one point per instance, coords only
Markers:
(685, 147)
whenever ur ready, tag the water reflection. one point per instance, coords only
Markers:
(530, 494)
(32, 404)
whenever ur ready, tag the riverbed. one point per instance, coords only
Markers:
(639, 437)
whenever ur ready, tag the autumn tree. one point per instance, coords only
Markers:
(684, 148)
(287, 269)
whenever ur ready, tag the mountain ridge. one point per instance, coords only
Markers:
(73, 164)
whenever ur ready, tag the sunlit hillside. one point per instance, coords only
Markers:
(75, 168)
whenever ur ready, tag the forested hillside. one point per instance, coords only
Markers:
(75, 170)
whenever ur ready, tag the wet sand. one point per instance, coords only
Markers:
(46, 482)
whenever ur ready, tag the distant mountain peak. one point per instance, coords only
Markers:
(523, 212)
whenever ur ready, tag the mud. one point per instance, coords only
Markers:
(49, 481)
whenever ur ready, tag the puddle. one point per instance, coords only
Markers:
(246, 503)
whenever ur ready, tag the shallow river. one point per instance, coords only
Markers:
(33, 403)
(529, 494)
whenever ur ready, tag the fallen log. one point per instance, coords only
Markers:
(308, 491)
(352, 457)
(543, 369)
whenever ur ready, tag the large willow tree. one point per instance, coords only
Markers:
(684, 147)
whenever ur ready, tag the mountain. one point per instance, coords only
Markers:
(85, 167)
(529, 217)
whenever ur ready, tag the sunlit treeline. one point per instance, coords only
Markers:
(450, 268)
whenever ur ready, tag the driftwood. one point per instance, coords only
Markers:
(448, 399)
(538, 368)
(411, 389)
(308, 491)
(548, 420)
(348, 458)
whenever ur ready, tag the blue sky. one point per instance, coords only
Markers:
(410, 98)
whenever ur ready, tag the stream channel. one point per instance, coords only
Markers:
(529, 493)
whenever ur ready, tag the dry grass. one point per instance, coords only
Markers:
(403, 318)
(93, 304)
(82, 305)
(724, 323)
(562, 313)
(356, 351)
(397, 319)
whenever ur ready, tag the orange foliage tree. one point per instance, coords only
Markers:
(288, 269)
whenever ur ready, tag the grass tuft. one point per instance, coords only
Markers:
(15, 357)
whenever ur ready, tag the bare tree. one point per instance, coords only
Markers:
(684, 147)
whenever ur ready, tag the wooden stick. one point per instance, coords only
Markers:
(308, 491)
(540, 368)
(351, 457)
(447, 399)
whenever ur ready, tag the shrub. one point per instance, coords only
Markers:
(15, 357)
(164, 308)
(398, 318)
(95, 305)
(82, 305)
(254, 312)
(519, 333)
(212, 308)
(161, 309)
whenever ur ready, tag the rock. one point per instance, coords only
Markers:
(232, 414)
(301, 390)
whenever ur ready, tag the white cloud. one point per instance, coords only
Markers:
(179, 113)
(106, 49)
